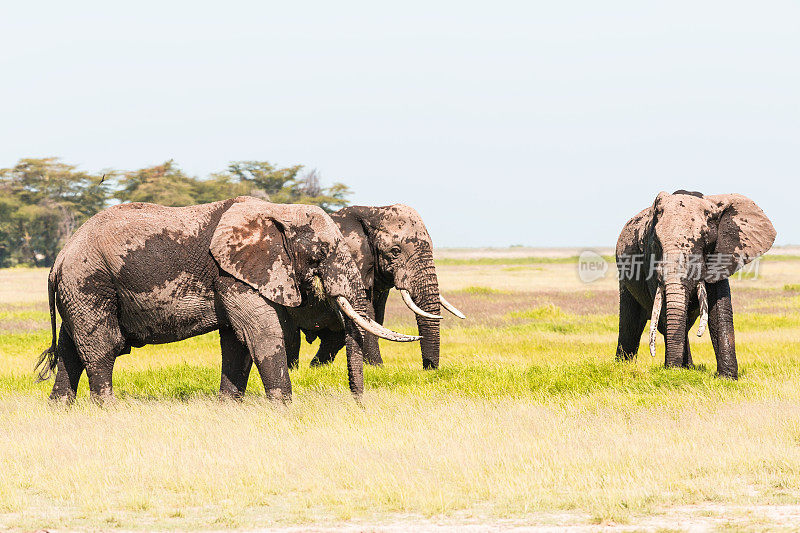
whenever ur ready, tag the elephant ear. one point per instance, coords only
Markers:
(358, 225)
(633, 237)
(744, 232)
(251, 246)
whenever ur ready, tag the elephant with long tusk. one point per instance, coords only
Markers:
(392, 249)
(674, 260)
(139, 274)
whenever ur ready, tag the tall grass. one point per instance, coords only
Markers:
(529, 414)
(208, 464)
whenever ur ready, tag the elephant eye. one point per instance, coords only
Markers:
(395, 251)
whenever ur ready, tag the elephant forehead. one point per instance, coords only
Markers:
(405, 223)
(682, 220)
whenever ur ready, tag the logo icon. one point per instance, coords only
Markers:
(591, 266)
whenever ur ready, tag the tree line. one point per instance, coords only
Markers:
(42, 201)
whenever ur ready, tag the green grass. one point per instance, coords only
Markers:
(24, 314)
(562, 383)
(480, 291)
(528, 418)
(522, 269)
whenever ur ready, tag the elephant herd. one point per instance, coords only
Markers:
(262, 273)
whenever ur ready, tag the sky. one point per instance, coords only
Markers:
(502, 123)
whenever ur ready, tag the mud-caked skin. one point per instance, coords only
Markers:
(683, 240)
(139, 274)
(392, 249)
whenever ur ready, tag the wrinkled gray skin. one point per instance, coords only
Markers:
(722, 233)
(392, 249)
(139, 274)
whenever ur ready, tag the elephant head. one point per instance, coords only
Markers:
(688, 240)
(392, 248)
(290, 253)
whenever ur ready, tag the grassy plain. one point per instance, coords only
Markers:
(528, 421)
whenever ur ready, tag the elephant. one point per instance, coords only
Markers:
(138, 273)
(674, 259)
(392, 249)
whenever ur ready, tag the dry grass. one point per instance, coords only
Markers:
(202, 463)
(529, 419)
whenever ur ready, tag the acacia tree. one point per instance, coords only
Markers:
(43, 201)
(287, 185)
(164, 184)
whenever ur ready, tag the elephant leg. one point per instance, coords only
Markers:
(330, 344)
(379, 304)
(293, 348)
(378, 308)
(236, 364)
(720, 328)
(262, 326)
(632, 319)
(99, 341)
(70, 368)
(372, 351)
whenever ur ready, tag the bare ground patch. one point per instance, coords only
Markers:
(489, 308)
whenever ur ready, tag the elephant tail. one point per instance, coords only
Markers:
(49, 359)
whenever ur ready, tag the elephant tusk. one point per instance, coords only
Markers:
(654, 317)
(411, 305)
(370, 325)
(702, 297)
(452, 308)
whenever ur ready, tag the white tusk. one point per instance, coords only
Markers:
(654, 316)
(372, 326)
(452, 308)
(411, 305)
(702, 297)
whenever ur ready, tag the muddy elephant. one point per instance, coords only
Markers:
(392, 249)
(674, 260)
(139, 274)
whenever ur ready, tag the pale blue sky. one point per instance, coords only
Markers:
(536, 123)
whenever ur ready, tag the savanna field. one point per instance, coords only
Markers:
(529, 420)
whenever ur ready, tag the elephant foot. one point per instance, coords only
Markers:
(730, 376)
(61, 399)
(230, 396)
(320, 362)
(104, 400)
(279, 397)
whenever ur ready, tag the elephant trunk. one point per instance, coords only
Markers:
(676, 304)
(354, 341)
(342, 284)
(425, 293)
